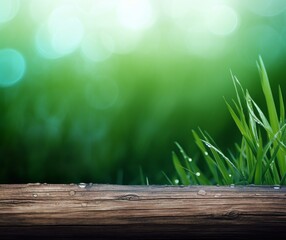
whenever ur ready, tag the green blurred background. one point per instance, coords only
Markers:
(95, 90)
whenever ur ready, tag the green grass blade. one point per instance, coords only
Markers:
(168, 179)
(223, 156)
(180, 170)
(283, 180)
(263, 122)
(274, 121)
(282, 108)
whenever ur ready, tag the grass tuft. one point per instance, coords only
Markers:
(260, 156)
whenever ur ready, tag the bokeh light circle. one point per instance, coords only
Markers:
(12, 67)
(8, 10)
(97, 48)
(135, 15)
(267, 8)
(222, 20)
(66, 29)
(62, 34)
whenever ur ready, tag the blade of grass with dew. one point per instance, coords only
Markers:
(180, 170)
(190, 166)
(220, 163)
(211, 163)
(232, 167)
(261, 156)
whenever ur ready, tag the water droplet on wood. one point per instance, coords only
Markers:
(202, 192)
(82, 185)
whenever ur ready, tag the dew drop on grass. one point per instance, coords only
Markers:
(229, 175)
(190, 159)
(206, 153)
(176, 181)
(198, 174)
(82, 185)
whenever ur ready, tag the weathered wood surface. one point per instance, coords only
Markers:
(138, 212)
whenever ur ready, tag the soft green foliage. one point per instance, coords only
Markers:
(260, 157)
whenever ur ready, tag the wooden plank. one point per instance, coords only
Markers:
(159, 212)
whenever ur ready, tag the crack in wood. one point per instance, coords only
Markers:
(129, 197)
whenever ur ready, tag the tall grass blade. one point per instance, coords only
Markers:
(180, 170)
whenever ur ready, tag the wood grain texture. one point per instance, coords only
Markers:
(61, 211)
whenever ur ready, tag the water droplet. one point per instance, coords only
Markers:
(202, 192)
(206, 153)
(83, 204)
(176, 181)
(232, 185)
(230, 175)
(82, 185)
(190, 159)
(72, 193)
(277, 187)
(35, 195)
(198, 174)
(217, 195)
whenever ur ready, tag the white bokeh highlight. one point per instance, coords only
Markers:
(222, 20)
(135, 14)
(266, 8)
(8, 10)
(62, 34)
